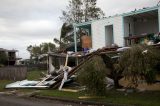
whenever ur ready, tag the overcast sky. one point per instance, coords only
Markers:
(30, 22)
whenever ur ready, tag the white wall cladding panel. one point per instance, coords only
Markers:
(98, 31)
(118, 31)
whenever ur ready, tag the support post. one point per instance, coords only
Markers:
(75, 39)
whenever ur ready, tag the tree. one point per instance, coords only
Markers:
(91, 11)
(76, 12)
(138, 63)
(113, 68)
(29, 49)
(81, 11)
(35, 51)
(65, 36)
(44, 47)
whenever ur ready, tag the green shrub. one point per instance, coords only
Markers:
(138, 64)
(92, 75)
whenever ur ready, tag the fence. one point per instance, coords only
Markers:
(36, 67)
(13, 73)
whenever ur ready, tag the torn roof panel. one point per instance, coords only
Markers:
(29, 84)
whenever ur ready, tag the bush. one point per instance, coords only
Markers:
(138, 63)
(92, 75)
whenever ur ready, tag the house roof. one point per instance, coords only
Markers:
(82, 24)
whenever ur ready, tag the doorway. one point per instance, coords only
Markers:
(109, 35)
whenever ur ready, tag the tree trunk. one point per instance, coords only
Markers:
(116, 83)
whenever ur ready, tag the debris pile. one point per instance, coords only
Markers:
(65, 74)
(57, 78)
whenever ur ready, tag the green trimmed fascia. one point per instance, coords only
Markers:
(140, 11)
(82, 24)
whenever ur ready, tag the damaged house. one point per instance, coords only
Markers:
(124, 29)
(11, 56)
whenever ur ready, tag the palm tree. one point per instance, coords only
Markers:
(66, 36)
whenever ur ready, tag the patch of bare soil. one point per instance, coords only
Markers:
(143, 85)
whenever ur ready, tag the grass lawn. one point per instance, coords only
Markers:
(141, 99)
(3, 83)
(57, 93)
(34, 74)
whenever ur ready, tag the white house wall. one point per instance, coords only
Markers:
(98, 32)
(118, 31)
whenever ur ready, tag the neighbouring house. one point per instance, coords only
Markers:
(124, 29)
(11, 56)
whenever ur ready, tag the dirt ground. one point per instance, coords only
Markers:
(144, 86)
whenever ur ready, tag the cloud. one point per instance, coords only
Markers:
(112, 7)
(29, 22)
(28, 32)
(28, 28)
(36, 24)
(23, 9)
(39, 28)
(21, 44)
